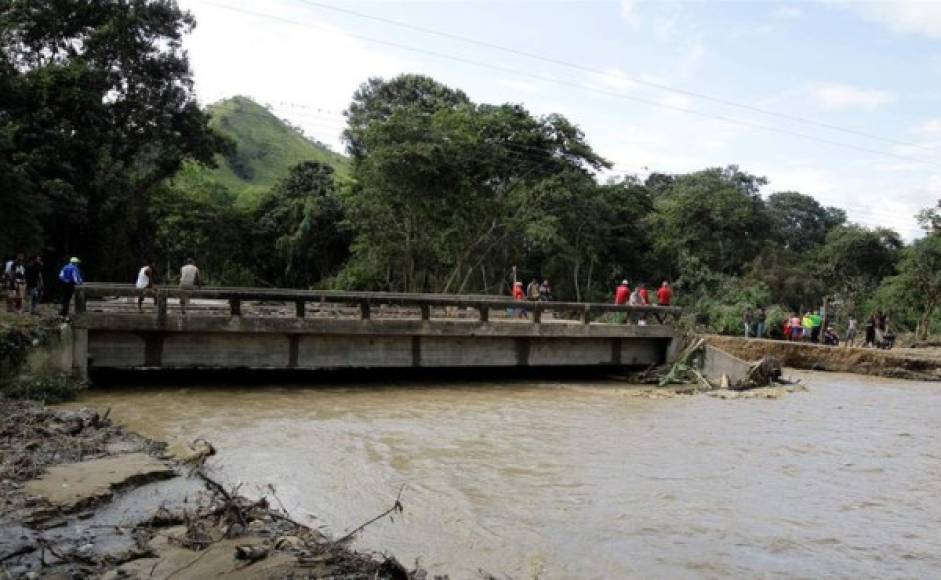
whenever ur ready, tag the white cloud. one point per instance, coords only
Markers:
(521, 86)
(675, 101)
(844, 96)
(806, 180)
(930, 127)
(267, 59)
(787, 12)
(627, 11)
(921, 17)
(616, 79)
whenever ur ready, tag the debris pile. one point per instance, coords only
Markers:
(201, 530)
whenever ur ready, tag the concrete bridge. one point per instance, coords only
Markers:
(251, 328)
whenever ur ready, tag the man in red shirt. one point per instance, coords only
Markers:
(665, 294)
(622, 293)
(644, 295)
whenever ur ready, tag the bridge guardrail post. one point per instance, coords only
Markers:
(425, 312)
(80, 300)
(484, 312)
(537, 313)
(364, 310)
(299, 308)
(586, 314)
(235, 307)
(161, 299)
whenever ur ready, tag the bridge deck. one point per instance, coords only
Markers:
(290, 329)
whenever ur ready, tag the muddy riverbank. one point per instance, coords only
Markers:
(917, 364)
(84, 498)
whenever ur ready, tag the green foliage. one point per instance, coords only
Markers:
(716, 214)
(912, 296)
(452, 194)
(264, 150)
(854, 261)
(377, 100)
(97, 110)
(45, 387)
(302, 215)
(799, 222)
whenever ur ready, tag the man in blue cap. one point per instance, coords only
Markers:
(70, 276)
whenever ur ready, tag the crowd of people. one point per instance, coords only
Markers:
(24, 284)
(813, 327)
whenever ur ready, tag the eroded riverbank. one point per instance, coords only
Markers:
(83, 498)
(587, 479)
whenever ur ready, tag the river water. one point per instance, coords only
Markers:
(587, 480)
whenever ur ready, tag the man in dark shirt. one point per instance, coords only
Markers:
(34, 284)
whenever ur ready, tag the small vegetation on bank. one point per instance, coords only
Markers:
(26, 371)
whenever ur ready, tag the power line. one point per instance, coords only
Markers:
(562, 82)
(608, 74)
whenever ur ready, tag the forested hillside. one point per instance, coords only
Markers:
(265, 149)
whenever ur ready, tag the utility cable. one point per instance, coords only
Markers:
(563, 82)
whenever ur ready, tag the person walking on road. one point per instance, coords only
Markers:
(189, 279)
(71, 276)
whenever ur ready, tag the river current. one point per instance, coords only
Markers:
(586, 480)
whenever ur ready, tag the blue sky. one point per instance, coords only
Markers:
(865, 67)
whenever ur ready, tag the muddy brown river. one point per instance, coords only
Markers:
(587, 480)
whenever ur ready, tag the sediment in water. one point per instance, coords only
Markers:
(85, 498)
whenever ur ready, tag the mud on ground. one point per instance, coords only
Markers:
(83, 498)
(900, 363)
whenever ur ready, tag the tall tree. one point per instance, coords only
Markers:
(717, 215)
(100, 109)
(303, 214)
(378, 99)
(800, 222)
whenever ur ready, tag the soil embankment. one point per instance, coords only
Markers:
(923, 364)
(84, 498)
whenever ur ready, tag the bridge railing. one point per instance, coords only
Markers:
(367, 301)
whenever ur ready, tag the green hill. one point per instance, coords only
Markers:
(266, 148)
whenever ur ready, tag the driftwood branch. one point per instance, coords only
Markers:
(396, 508)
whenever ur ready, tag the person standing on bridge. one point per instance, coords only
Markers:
(545, 291)
(145, 284)
(70, 276)
(622, 294)
(665, 294)
(644, 294)
(519, 296)
(189, 279)
(532, 291)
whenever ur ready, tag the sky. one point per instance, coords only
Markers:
(837, 99)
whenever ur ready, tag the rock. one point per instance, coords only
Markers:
(289, 543)
(251, 553)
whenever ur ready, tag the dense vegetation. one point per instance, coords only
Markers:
(105, 154)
